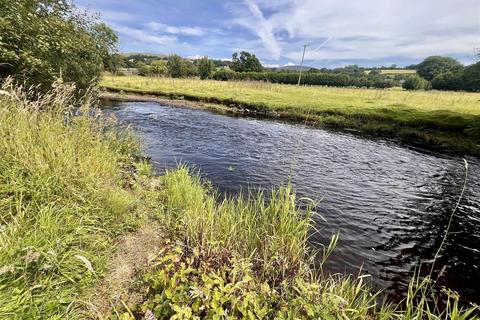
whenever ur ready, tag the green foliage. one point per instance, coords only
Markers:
(175, 66)
(241, 224)
(43, 40)
(223, 74)
(245, 62)
(471, 77)
(106, 41)
(415, 83)
(447, 81)
(436, 65)
(158, 67)
(143, 68)
(205, 67)
(309, 78)
(180, 68)
(62, 200)
(218, 268)
(189, 69)
(442, 119)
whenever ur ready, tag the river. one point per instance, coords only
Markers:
(389, 203)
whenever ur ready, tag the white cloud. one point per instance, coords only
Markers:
(368, 29)
(145, 37)
(178, 30)
(256, 22)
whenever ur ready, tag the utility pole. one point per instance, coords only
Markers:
(301, 65)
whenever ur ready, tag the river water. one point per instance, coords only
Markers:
(389, 203)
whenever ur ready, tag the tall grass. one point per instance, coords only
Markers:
(62, 200)
(272, 232)
(267, 238)
(69, 187)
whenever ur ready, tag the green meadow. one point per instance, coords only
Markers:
(446, 120)
(80, 212)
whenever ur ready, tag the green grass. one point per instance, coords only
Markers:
(448, 120)
(69, 186)
(248, 257)
(61, 202)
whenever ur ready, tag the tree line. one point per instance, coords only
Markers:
(43, 40)
(444, 73)
(436, 72)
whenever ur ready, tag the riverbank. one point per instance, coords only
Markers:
(448, 121)
(78, 204)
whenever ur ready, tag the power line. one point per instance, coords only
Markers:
(301, 65)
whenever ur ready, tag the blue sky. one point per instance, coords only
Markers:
(340, 32)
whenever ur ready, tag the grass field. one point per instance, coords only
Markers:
(73, 189)
(448, 120)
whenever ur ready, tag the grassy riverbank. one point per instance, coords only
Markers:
(71, 186)
(447, 120)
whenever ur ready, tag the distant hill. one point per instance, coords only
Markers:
(294, 68)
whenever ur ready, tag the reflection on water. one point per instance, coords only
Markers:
(390, 204)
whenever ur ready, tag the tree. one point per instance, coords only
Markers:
(415, 83)
(435, 65)
(42, 40)
(143, 68)
(189, 69)
(447, 81)
(175, 66)
(471, 77)
(106, 40)
(158, 67)
(205, 67)
(245, 62)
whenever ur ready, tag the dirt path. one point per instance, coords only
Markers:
(120, 285)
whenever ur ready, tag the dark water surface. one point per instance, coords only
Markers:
(390, 204)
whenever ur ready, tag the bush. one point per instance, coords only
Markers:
(175, 66)
(312, 78)
(223, 75)
(205, 68)
(471, 77)
(180, 68)
(415, 83)
(447, 81)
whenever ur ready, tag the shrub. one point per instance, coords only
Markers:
(471, 77)
(180, 68)
(175, 66)
(447, 81)
(312, 78)
(158, 67)
(415, 83)
(205, 67)
(223, 75)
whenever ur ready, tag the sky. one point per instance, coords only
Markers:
(338, 32)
